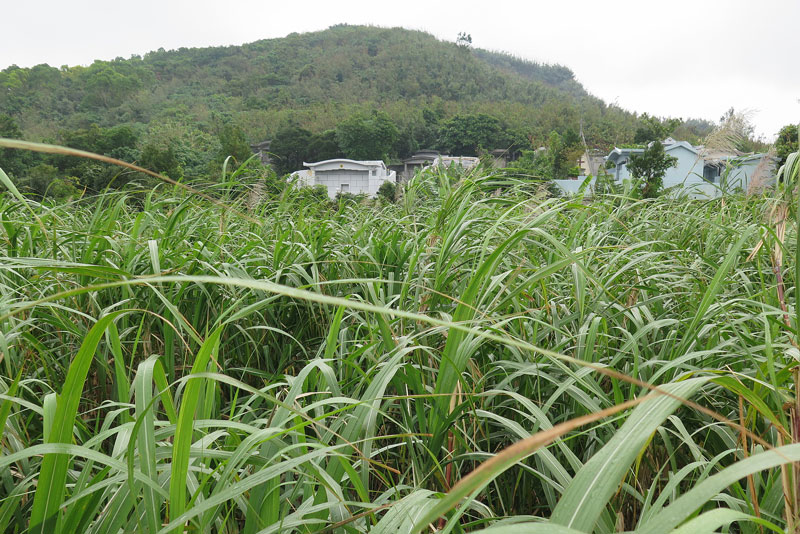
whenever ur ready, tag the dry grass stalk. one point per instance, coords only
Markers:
(788, 491)
(762, 174)
(729, 134)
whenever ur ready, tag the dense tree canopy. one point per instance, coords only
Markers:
(315, 80)
(289, 149)
(233, 144)
(367, 137)
(467, 135)
(655, 129)
(323, 146)
(12, 161)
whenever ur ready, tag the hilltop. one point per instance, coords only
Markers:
(314, 79)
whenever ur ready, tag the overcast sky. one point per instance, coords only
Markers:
(680, 58)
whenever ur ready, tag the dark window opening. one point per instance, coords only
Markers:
(710, 173)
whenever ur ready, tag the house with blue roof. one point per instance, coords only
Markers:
(703, 173)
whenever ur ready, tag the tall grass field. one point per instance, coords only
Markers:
(475, 357)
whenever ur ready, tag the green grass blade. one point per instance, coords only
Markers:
(687, 504)
(491, 469)
(712, 521)
(529, 528)
(143, 384)
(52, 479)
(713, 289)
(184, 430)
(587, 495)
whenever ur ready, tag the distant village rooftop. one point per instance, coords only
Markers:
(466, 162)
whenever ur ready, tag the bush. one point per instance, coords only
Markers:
(388, 191)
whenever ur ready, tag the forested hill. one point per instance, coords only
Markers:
(354, 91)
(314, 79)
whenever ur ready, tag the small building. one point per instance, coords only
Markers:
(688, 166)
(418, 160)
(345, 176)
(466, 162)
(703, 172)
(503, 157)
(592, 162)
(262, 150)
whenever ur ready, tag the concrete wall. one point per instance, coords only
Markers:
(376, 181)
(688, 172)
(571, 187)
(741, 173)
(359, 181)
(736, 176)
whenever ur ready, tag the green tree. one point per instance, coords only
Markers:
(786, 142)
(42, 181)
(323, 146)
(37, 180)
(290, 148)
(388, 191)
(100, 140)
(106, 87)
(118, 142)
(650, 167)
(232, 143)
(466, 135)
(654, 129)
(193, 148)
(365, 137)
(12, 161)
(161, 159)
(557, 153)
(535, 166)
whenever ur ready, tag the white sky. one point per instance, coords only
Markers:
(679, 58)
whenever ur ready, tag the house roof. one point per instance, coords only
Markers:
(421, 157)
(618, 153)
(343, 163)
(669, 144)
(681, 144)
(722, 156)
(262, 145)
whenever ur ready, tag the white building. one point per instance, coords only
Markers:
(345, 176)
(466, 162)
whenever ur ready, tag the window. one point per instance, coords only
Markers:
(710, 173)
(344, 188)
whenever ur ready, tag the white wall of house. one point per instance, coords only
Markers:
(344, 181)
(741, 172)
(571, 187)
(688, 171)
(346, 176)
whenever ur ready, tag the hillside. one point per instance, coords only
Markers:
(352, 91)
(314, 79)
